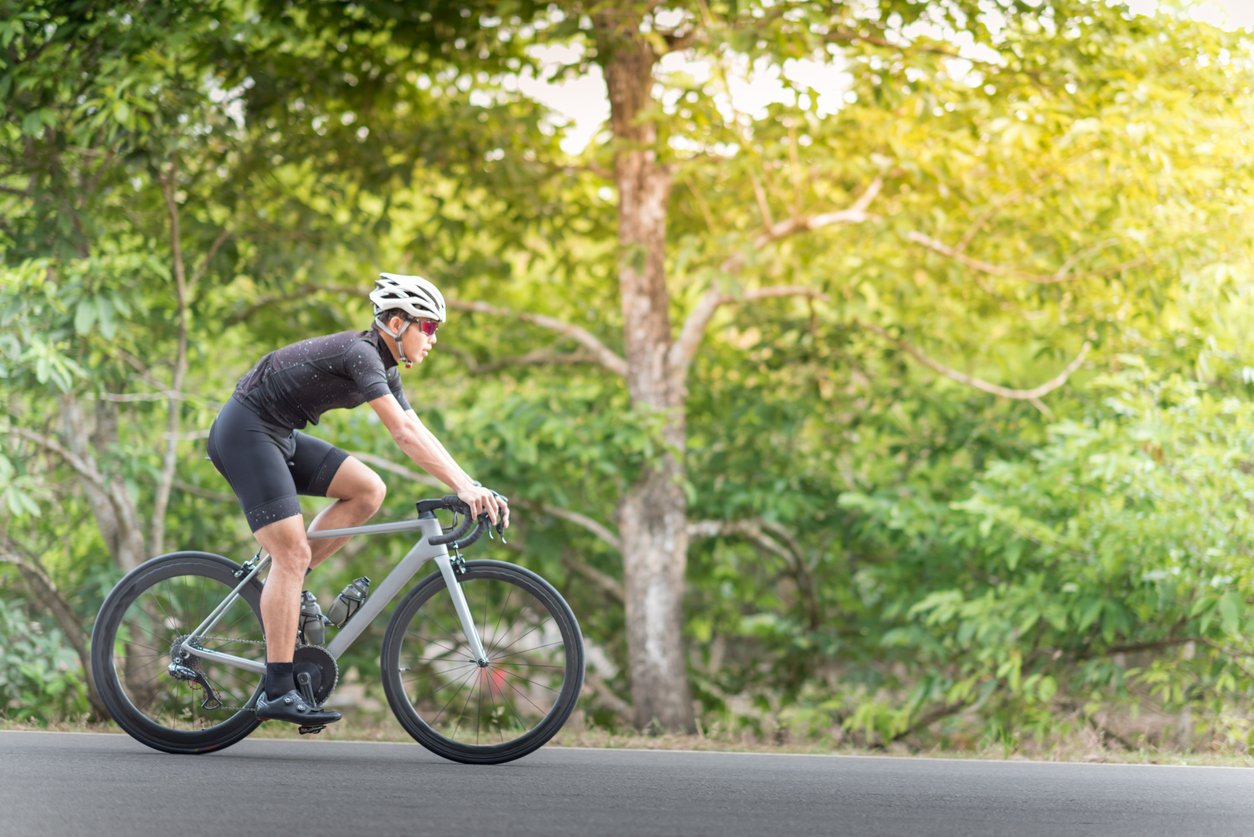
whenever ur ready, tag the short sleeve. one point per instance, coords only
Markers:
(394, 382)
(363, 366)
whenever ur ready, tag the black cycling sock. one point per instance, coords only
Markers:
(279, 680)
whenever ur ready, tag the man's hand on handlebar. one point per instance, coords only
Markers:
(486, 501)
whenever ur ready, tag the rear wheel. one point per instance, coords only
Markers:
(493, 713)
(150, 611)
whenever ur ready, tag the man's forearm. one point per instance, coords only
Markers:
(426, 451)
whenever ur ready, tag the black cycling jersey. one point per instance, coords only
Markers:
(293, 386)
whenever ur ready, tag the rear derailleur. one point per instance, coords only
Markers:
(184, 666)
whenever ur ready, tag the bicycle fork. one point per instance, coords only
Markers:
(445, 563)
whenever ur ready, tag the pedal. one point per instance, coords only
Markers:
(305, 684)
(312, 730)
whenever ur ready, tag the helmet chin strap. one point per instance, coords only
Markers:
(396, 335)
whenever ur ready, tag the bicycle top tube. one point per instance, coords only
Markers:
(426, 508)
(370, 529)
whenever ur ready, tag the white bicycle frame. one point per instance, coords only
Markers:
(396, 580)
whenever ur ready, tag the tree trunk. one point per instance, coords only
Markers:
(652, 516)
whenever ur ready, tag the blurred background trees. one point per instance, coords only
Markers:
(911, 405)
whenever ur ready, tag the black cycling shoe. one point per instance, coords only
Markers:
(293, 708)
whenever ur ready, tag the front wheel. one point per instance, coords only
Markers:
(147, 614)
(493, 713)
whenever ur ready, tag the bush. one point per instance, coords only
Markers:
(41, 680)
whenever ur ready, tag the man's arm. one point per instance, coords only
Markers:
(426, 451)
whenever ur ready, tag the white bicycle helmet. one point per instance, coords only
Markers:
(414, 296)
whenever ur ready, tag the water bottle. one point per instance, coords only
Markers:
(349, 601)
(312, 628)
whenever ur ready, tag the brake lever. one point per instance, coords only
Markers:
(499, 526)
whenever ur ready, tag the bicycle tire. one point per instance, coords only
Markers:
(490, 588)
(133, 637)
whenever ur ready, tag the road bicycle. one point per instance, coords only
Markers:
(482, 661)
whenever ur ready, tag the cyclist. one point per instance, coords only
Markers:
(256, 444)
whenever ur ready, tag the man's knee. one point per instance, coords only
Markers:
(293, 557)
(376, 491)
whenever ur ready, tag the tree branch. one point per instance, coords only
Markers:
(123, 397)
(203, 267)
(86, 470)
(928, 718)
(400, 470)
(783, 545)
(537, 357)
(1063, 274)
(600, 530)
(1033, 394)
(603, 354)
(749, 529)
(856, 213)
(684, 349)
(847, 37)
(602, 691)
(601, 581)
(197, 491)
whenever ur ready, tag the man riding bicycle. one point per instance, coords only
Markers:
(256, 444)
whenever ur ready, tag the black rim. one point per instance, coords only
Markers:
(156, 611)
(534, 664)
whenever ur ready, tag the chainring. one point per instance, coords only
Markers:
(321, 667)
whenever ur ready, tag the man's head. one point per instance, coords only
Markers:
(401, 301)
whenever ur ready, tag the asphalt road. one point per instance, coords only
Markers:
(68, 784)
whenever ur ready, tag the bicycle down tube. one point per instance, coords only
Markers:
(395, 581)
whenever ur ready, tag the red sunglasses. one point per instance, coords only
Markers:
(427, 327)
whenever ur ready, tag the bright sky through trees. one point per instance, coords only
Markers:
(582, 99)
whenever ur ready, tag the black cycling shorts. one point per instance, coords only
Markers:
(268, 465)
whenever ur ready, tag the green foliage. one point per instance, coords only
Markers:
(911, 558)
(40, 677)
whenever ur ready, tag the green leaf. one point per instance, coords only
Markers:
(32, 124)
(108, 324)
(85, 316)
(1230, 608)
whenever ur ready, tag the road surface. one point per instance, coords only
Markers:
(68, 784)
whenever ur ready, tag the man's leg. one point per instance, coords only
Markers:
(280, 612)
(280, 598)
(358, 494)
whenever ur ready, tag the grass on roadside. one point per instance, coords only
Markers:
(364, 730)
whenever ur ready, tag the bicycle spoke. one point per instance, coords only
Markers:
(524, 697)
(497, 627)
(462, 714)
(525, 650)
(530, 631)
(532, 682)
(437, 644)
(528, 665)
(463, 681)
(455, 671)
